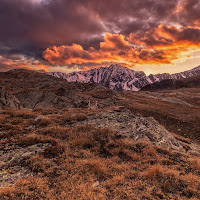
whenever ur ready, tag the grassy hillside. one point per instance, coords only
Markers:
(45, 155)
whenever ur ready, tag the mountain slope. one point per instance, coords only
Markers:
(176, 110)
(121, 78)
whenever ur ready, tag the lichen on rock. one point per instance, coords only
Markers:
(135, 127)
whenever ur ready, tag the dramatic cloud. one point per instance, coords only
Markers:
(159, 45)
(92, 32)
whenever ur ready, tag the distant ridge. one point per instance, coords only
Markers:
(173, 84)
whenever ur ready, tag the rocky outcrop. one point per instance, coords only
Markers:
(136, 127)
(13, 157)
(7, 100)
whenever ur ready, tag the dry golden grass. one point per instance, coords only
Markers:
(79, 156)
(195, 163)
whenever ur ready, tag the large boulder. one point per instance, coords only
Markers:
(7, 100)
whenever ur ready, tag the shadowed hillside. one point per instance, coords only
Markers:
(34, 89)
(8, 101)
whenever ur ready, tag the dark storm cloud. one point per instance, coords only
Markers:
(33, 25)
(187, 34)
(26, 24)
(189, 12)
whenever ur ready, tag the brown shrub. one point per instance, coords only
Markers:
(96, 166)
(77, 157)
(115, 181)
(24, 114)
(45, 111)
(150, 151)
(33, 139)
(168, 179)
(9, 130)
(192, 180)
(73, 117)
(55, 131)
(30, 188)
(195, 163)
(87, 136)
(54, 151)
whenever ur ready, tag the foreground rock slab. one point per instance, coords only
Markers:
(134, 126)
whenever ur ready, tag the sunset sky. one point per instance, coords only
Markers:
(154, 36)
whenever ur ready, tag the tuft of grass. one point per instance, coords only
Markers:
(195, 163)
(37, 163)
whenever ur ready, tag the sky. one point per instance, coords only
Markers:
(154, 36)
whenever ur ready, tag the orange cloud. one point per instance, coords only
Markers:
(171, 36)
(114, 42)
(160, 45)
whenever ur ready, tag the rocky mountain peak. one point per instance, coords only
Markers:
(114, 77)
(121, 78)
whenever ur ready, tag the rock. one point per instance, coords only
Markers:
(16, 156)
(10, 169)
(119, 108)
(134, 126)
(122, 78)
(39, 118)
(96, 184)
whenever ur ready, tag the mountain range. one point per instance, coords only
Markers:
(121, 78)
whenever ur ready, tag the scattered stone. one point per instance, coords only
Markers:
(96, 184)
(39, 118)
